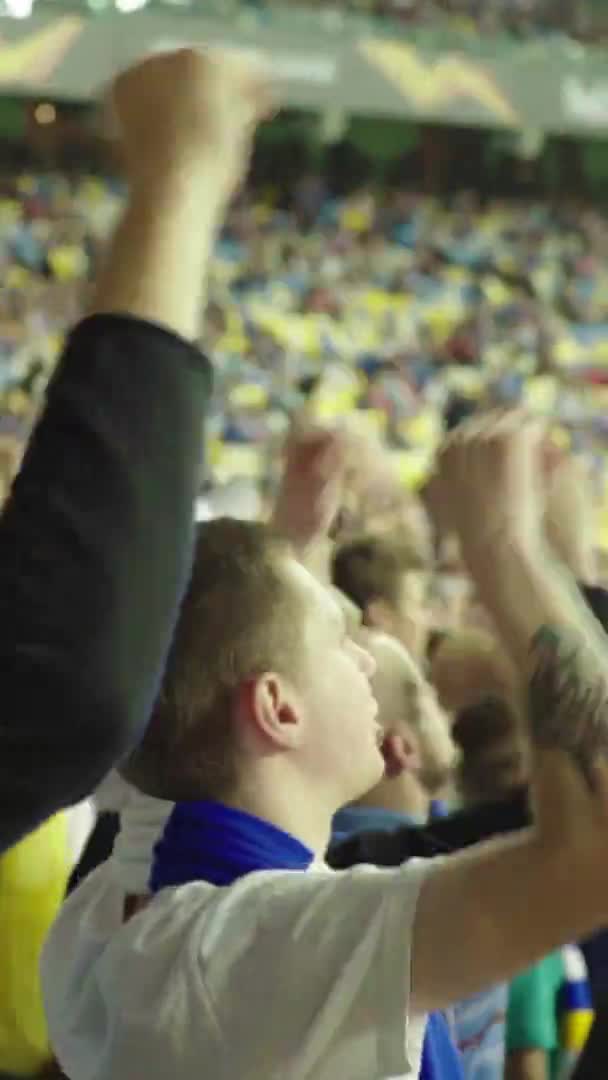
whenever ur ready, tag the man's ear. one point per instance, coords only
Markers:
(267, 708)
(378, 616)
(400, 754)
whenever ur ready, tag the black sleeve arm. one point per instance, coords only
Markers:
(453, 833)
(95, 551)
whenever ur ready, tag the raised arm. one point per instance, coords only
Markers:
(95, 539)
(570, 513)
(489, 484)
(515, 900)
(491, 912)
(309, 494)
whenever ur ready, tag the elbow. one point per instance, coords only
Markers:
(58, 748)
(108, 735)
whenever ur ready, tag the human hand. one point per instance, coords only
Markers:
(309, 494)
(190, 107)
(486, 486)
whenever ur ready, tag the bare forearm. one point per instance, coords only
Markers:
(575, 550)
(158, 259)
(525, 588)
(558, 647)
(509, 904)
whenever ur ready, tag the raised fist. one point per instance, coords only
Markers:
(487, 482)
(187, 107)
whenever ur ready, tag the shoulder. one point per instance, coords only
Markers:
(246, 917)
(276, 909)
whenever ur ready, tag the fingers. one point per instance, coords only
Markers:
(491, 461)
(494, 425)
(250, 78)
(317, 452)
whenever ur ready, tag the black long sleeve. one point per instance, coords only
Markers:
(95, 550)
(453, 833)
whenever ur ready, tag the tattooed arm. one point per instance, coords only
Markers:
(568, 694)
(558, 646)
(488, 483)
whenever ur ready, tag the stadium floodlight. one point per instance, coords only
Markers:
(127, 6)
(19, 9)
(45, 114)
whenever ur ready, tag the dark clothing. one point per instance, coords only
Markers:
(390, 847)
(98, 849)
(95, 552)
(384, 847)
(592, 1063)
(595, 951)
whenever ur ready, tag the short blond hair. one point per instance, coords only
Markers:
(236, 622)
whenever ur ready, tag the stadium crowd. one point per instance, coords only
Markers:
(508, 20)
(384, 310)
(401, 657)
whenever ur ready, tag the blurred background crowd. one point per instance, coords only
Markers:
(575, 18)
(582, 20)
(361, 301)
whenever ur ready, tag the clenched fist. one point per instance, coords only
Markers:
(487, 483)
(190, 106)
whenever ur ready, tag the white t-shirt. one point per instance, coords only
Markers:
(81, 822)
(281, 976)
(142, 822)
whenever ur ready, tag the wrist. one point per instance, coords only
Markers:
(197, 184)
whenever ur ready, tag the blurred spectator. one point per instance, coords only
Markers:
(385, 577)
(472, 17)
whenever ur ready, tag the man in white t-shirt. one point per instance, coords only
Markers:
(252, 960)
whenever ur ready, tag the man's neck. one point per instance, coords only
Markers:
(287, 807)
(403, 795)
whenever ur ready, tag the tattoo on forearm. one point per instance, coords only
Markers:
(568, 696)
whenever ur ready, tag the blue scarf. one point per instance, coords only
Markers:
(206, 841)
